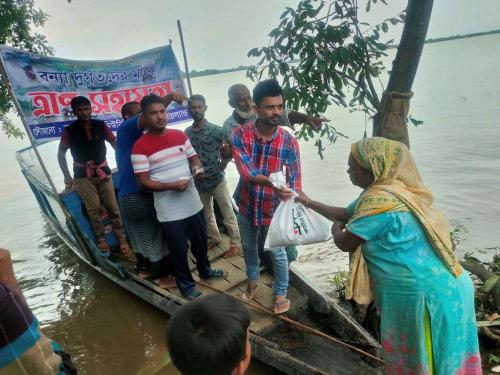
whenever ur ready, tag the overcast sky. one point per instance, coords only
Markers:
(218, 33)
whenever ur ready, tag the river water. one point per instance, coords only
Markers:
(108, 331)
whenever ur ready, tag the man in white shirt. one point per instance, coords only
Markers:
(164, 162)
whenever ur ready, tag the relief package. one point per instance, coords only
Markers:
(293, 223)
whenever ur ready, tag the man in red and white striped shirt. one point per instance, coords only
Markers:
(164, 162)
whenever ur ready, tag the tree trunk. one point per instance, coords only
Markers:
(390, 121)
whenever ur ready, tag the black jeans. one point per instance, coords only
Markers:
(177, 233)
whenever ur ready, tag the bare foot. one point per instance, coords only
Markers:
(232, 251)
(167, 282)
(251, 290)
(144, 274)
(281, 305)
(125, 253)
(102, 244)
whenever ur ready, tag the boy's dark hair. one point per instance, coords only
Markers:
(199, 98)
(148, 100)
(208, 336)
(269, 87)
(127, 108)
(78, 101)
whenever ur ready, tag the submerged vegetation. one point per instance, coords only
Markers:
(487, 301)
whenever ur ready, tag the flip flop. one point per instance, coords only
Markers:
(166, 284)
(278, 305)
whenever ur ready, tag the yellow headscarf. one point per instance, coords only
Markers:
(397, 187)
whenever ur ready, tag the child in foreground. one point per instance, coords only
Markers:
(210, 336)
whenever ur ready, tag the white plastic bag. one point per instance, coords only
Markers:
(295, 224)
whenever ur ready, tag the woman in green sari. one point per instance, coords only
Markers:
(403, 258)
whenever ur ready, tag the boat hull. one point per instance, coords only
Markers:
(271, 342)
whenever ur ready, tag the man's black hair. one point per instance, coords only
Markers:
(127, 108)
(208, 336)
(269, 87)
(199, 98)
(148, 100)
(78, 101)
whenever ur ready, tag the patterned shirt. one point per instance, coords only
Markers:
(165, 158)
(253, 156)
(207, 142)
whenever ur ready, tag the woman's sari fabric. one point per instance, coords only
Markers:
(416, 279)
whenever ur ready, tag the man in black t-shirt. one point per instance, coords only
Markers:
(85, 138)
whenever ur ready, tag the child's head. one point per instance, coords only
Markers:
(210, 336)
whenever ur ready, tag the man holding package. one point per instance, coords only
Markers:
(260, 148)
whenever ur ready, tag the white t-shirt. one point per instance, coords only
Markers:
(166, 159)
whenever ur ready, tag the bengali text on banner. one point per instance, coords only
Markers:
(44, 86)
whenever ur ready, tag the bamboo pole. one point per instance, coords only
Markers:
(39, 157)
(186, 68)
(292, 322)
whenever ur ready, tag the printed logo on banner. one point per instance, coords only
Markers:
(44, 86)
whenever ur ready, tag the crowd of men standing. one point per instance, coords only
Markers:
(168, 180)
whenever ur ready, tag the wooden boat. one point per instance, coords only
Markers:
(274, 341)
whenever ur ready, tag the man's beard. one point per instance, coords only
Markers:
(245, 115)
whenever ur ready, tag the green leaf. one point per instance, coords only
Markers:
(323, 62)
(344, 55)
(286, 13)
(490, 283)
(254, 52)
(415, 121)
(338, 9)
(493, 359)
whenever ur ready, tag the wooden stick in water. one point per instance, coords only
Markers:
(292, 322)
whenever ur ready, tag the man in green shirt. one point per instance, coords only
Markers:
(208, 141)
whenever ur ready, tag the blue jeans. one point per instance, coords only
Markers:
(252, 240)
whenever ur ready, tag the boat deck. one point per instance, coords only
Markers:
(234, 284)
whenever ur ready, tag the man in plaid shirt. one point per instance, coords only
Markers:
(260, 148)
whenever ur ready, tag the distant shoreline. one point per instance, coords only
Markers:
(453, 37)
(209, 72)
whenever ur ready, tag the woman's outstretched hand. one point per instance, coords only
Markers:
(302, 198)
(338, 227)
